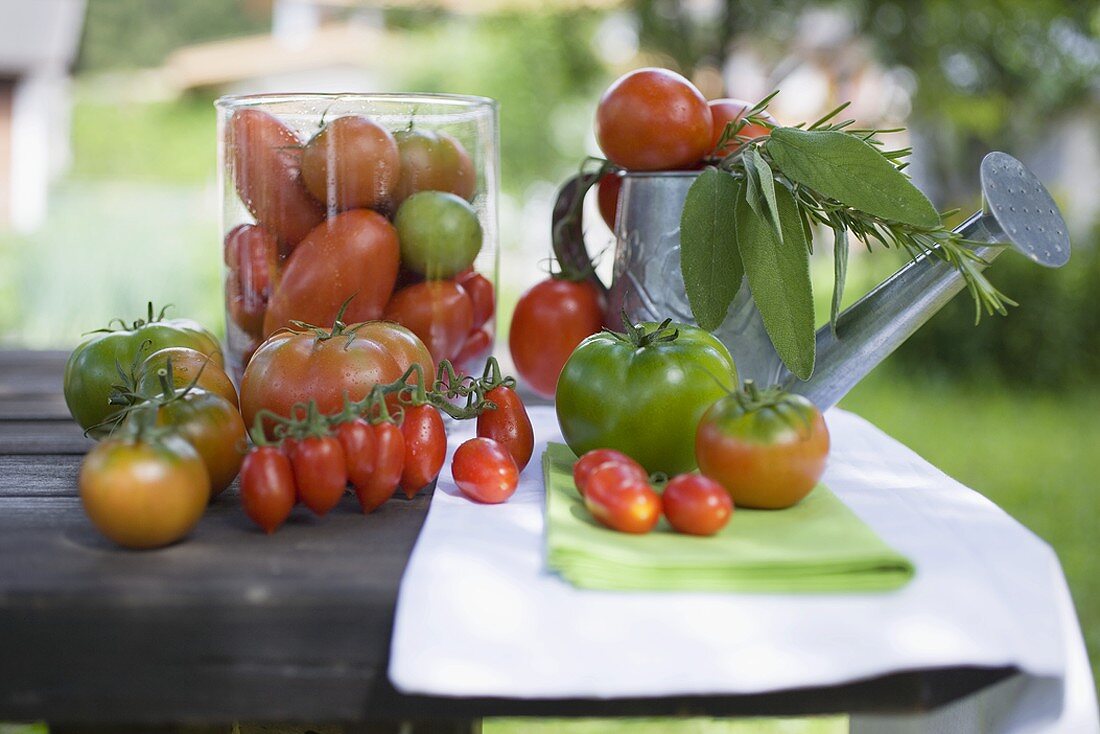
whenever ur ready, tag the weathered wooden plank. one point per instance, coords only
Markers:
(43, 437)
(49, 407)
(49, 475)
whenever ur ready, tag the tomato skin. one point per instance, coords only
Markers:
(653, 120)
(268, 491)
(484, 471)
(252, 271)
(767, 457)
(550, 320)
(433, 161)
(214, 427)
(357, 439)
(351, 255)
(724, 111)
(597, 458)
(439, 232)
(642, 400)
(425, 447)
(352, 163)
(320, 472)
(508, 424)
(481, 295)
(144, 495)
(388, 465)
(475, 351)
(621, 501)
(607, 196)
(438, 311)
(696, 505)
(188, 365)
(266, 159)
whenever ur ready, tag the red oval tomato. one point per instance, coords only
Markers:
(550, 320)
(251, 257)
(351, 255)
(475, 351)
(425, 447)
(268, 492)
(480, 291)
(320, 472)
(725, 111)
(653, 120)
(433, 161)
(508, 424)
(596, 458)
(620, 500)
(485, 471)
(266, 159)
(352, 163)
(388, 464)
(696, 505)
(607, 196)
(357, 439)
(214, 427)
(438, 311)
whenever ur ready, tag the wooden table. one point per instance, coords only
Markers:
(234, 625)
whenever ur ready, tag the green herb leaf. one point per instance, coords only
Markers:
(845, 167)
(840, 272)
(709, 257)
(779, 277)
(761, 188)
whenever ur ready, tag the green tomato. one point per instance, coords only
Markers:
(439, 232)
(643, 392)
(93, 367)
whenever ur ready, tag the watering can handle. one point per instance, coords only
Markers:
(567, 233)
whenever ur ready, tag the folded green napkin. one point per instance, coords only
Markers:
(819, 545)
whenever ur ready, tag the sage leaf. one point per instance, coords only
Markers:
(759, 175)
(779, 278)
(845, 167)
(840, 272)
(709, 257)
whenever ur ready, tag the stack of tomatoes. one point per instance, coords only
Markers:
(355, 212)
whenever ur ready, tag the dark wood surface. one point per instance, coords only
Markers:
(232, 624)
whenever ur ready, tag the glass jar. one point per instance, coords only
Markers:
(362, 206)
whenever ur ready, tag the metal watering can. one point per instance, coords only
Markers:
(1017, 212)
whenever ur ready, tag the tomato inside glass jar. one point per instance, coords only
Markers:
(362, 208)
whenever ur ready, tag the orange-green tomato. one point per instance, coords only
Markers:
(433, 161)
(213, 426)
(187, 365)
(141, 494)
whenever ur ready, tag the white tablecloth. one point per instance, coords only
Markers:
(479, 613)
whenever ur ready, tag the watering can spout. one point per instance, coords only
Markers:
(1017, 213)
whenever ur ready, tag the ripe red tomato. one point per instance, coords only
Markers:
(268, 492)
(352, 163)
(266, 158)
(653, 120)
(724, 111)
(596, 458)
(607, 196)
(296, 367)
(433, 161)
(251, 258)
(320, 472)
(425, 447)
(768, 449)
(508, 424)
(485, 471)
(438, 311)
(474, 352)
(351, 255)
(620, 500)
(550, 320)
(480, 290)
(696, 505)
(388, 464)
(357, 439)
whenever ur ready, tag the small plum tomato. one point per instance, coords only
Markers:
(622, 501)
(485, 471)
(596, 458)
(268, 492)
(252, 272)
(438, 311)
(725, 111)
(388, 463)
(481, 294)
(357, 439)
(320, 472)
(508, 424)
(425, 447)
(351, 164)
(696, 505)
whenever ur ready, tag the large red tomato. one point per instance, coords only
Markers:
(440, 312)
(352, 163)
(251, 259)
(653, 120)
(351, 255)
(266, 160)
(725, 111)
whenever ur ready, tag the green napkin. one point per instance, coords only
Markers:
(819, 545)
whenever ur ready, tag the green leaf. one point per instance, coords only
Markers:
(844, 167)
(761, 182)
(779, 277)
(709, 257)
(840, 272)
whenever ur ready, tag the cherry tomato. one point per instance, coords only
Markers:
(549, 322)
(433, 161)
(481, 294)
(725, 111)
(266, 157)
(425, 447)
(268, 492)
(619, 499)
(142, 494)
(607, 196)
(188, 365)
(388, 464)
(214, 427)
(352, 163)
(596, 458)
(320, 472)
(438, 311)
(696, 505)
(767, 448)
(351, 255)
(439, 232)
(475, 351)
(508, 424)
(485, 471)
(653, 120)
(357, 439)
(251, 257)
